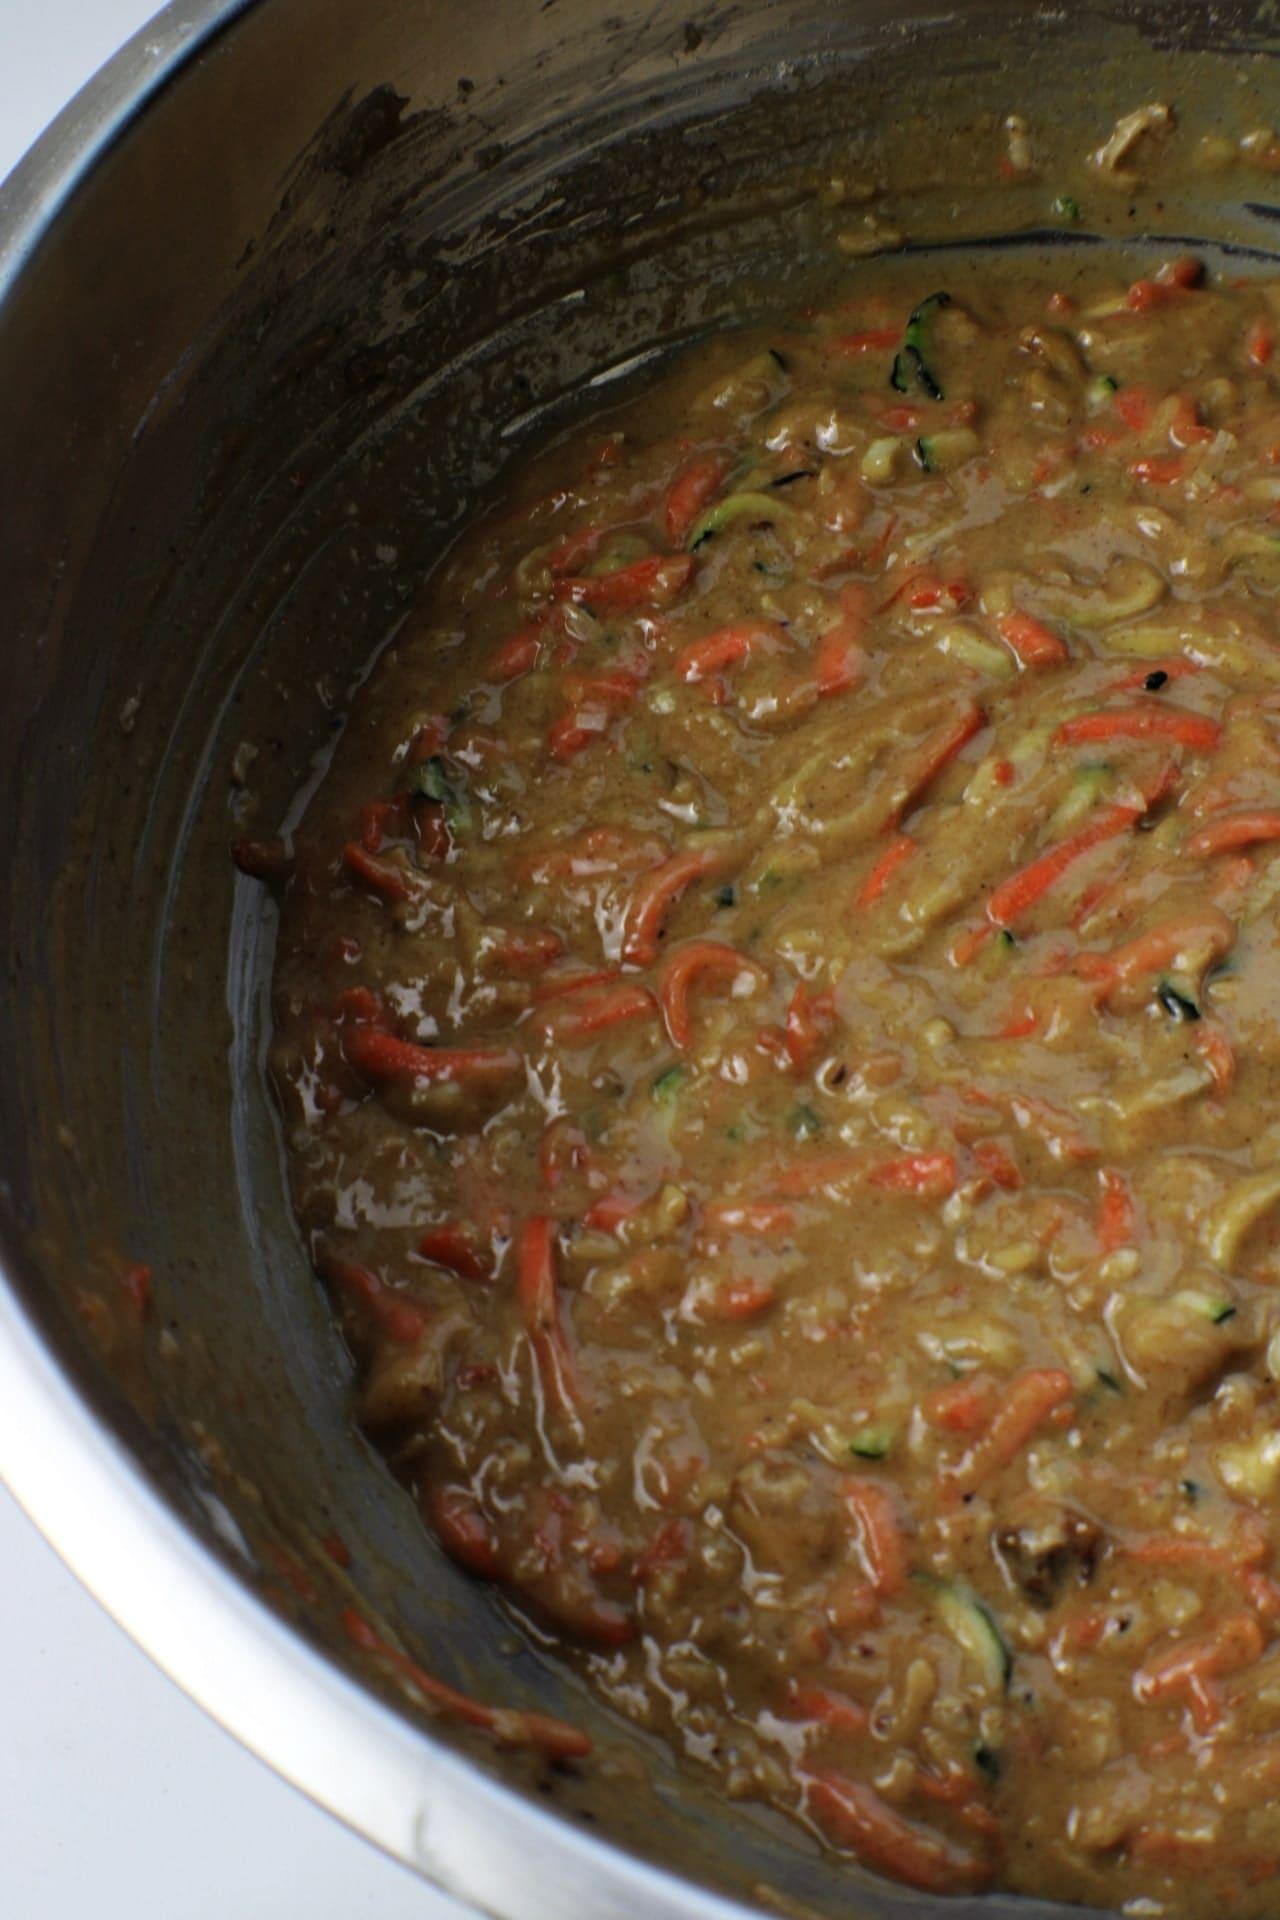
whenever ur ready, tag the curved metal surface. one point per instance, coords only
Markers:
(281, 290)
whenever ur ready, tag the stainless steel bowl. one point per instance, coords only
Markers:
(278, 293)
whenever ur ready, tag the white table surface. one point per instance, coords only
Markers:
(119, 1799)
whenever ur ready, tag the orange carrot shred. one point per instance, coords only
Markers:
(1116, 1220)
(728, 647)
(883, 1546)
(1194, 731)
(834, 1711)
(656, 582)
(383, 1060)
(399, 1319)
(658, 892)
(539, 1301)
(693, 488)
(1193, 1666)
(898, 850)
(1026, 1404)
(1031, 642)
(380, 876)
(698, 960)
(1015, 897)
(1233, 830)
(855, 1816)
(511, 1727)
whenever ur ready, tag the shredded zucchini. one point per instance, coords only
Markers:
(910, 365)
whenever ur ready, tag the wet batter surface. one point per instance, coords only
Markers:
(776, 1023)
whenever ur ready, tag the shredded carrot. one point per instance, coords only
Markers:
(572, 980)
(998, 1165)
(1194, 731)
(1184, 1550)
(594, 851)
(431, 830)
(576, 549)
(589, 1010)
(923, 591)
(936, 751)
(728, 647)
(516, 656)
(361, 1006)
(901, 419)
(963, 1407)
(698, 960)
(810, 1018)
(880, 1536)
(1022, 1021)
(510, 1727)
(607, 1214)
(596, 698)
(384, 1060)
(1136, 405)
(454, 1246)
(382, 820)
(669, 1547)
(614, 689)
(1233, 830)
(898, 850)
(1026, 1404)
(1186, 428)
(967, 945)
(656, 582)
(855, 1816)
(1116, 1218)
(462, 1530)
(836, 1712)
(1015, 897)
(840, 662)
(736, 1299)
(1031, 642)
(1145, 294)
(1200, 929)
(658, 892)
(380, 876)
(1192, 1667)
(1214, 1048)
(575, 730)
(693, 489)
(393, 1315)
(428, 739)
(522, 949)
(540, 1304)
(1239, 1559)
(1260, 343)
(1159, 470)
(927, 1175)
(958, 1789)
(932, 1175)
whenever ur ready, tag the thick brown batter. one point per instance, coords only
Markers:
(777, 1026)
